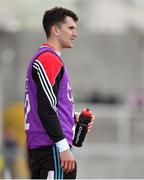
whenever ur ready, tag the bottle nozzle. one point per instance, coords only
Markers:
(87, 112)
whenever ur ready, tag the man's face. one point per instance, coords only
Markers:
(67, 33)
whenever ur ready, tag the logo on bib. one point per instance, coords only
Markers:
(69, 93)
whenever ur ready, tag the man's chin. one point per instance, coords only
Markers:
(70, 46)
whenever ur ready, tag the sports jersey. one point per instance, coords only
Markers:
(49, 104)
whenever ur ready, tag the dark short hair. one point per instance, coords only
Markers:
(56, 16)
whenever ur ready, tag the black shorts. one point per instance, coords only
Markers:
(45, 164)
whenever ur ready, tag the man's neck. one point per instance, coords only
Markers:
(55, 45)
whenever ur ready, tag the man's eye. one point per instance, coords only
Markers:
(71, 28)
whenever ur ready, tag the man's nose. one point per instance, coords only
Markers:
(75, 33)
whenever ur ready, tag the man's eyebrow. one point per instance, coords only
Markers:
(72, 27)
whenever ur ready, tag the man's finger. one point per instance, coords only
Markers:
(90, 126)
(93, 118)
(73, 165)
(70, 166)
(62, 164)
(65, 166)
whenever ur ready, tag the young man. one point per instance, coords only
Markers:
(49, 104)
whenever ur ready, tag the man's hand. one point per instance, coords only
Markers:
(67, 161)
(77, 114)
(91, 123)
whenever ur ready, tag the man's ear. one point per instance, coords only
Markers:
(55, 30)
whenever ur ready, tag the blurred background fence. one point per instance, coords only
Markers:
(106, 67)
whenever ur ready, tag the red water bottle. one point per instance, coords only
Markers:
(82, 127)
